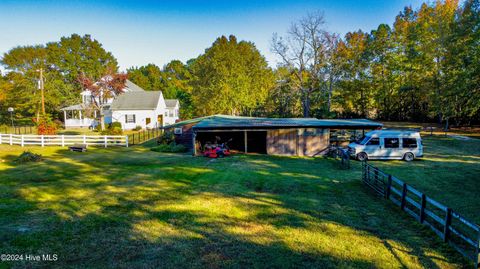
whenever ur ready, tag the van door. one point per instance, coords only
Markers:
(372, 147)
(392, 148)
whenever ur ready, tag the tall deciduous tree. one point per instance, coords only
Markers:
(62, 62)
(76, 55)
(230, 77)
(305, 50)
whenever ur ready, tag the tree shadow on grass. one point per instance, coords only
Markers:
(143, 209)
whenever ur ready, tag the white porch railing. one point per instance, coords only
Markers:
(85, 122)
(64, 140)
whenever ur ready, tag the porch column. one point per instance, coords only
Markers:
(65, 117)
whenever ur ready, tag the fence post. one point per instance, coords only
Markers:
(446, 228)
(422, 208)
(0, 138)
(126, 141)
(389, 186)
(477, 252)
(105, 141)
(367, 175)
(404, 196)
(84, 139)
(21, 141)
(42, 141)
(63, 140)
(11, 141)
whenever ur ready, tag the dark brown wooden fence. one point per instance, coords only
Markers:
(462, 234)
(143, 136)
(18, 130)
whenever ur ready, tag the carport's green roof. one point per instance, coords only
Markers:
(226, 122)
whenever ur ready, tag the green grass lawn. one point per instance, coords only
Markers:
(449, 173)
(132, 208)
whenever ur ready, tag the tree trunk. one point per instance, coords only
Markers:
(306, 104)
(329, 100)
(102, 119)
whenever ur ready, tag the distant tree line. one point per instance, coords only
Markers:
(425, 67)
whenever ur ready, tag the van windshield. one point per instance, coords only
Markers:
(363, 140)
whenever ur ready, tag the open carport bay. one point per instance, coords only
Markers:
(255, 142)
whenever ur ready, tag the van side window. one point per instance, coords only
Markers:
(374, 142)
(391, 142)
(409, 142)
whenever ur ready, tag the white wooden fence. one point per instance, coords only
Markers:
(64, 140)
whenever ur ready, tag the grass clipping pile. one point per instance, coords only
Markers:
(28, 156)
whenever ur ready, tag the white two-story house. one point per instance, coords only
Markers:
(134, 107)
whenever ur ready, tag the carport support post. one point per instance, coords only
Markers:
(194, 148)
(246, 150)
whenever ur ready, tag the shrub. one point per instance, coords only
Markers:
(28, 156)
(138, 128)
(114, 128)
(114, 125)
(172, 147)
(166, 138)
(45, 126)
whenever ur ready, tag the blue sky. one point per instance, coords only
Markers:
(142, 32)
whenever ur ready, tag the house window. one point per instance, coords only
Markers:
(130, 118)
(391, 142)
(171, 113)
(166, 113)
(374, 142)
(409, 142)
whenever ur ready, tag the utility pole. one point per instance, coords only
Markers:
(42, 91)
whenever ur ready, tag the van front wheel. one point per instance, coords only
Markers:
(362, 156)
(408, 157)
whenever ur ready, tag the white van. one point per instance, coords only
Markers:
(388, 144)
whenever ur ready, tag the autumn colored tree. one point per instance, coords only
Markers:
(109, 86)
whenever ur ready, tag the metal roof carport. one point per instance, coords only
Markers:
(225, 123)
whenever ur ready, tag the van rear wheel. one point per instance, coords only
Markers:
(362, 156)
(408, 157)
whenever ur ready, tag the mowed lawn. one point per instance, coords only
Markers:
(134, 208)
(449, 173)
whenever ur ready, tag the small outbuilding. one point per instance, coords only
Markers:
(274, 136)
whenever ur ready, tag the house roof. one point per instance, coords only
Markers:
(227, 122)
(171, 102)
(133, 87)
(74, 107)
(137, 100)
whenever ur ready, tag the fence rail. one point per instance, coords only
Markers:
(64, 140)
(462, 234)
